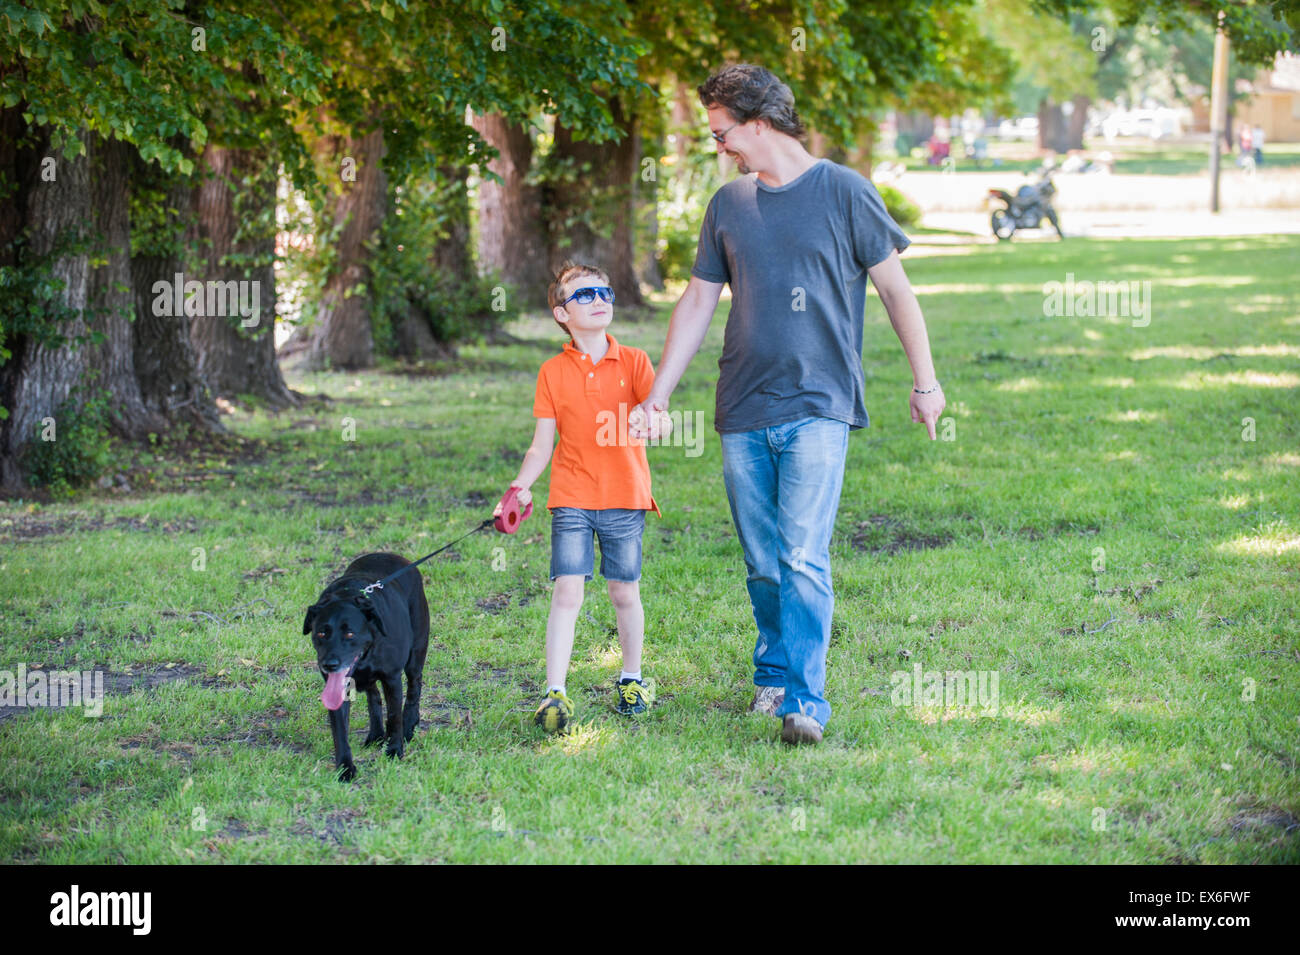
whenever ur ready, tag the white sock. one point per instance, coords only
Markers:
(552, 688)
(630, 676)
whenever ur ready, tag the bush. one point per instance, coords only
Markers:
(902, 209)
(683, 198)
(79, 452)
(402, 273)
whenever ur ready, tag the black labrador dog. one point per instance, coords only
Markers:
(371, 639)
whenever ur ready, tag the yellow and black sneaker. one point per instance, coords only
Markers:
(555, 712)
(633, 697)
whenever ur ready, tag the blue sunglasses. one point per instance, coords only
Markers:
(585, 296)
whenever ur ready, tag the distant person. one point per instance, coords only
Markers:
(1257, 138)
(939, 149)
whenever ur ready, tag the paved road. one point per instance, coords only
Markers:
(1133, 224)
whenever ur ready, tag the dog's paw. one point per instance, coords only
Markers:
(410, 731)
(347, 772)
(374, 738)
(395, 752)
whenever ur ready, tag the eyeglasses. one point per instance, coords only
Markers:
(722, 136)
(586, 296)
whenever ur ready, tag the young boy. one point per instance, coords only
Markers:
(600, 482)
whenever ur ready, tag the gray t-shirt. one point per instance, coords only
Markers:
(796, 258)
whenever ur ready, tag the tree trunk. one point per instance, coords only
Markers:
(610, 171)
(111, 290)
(913, 129)
(861, 156)
(512, 236)
(235, 358)
(416, 333)
(37, 378)
(87, 197)
(1078, 122)
(685, 126)
(341, 336)
(645, 199)
(165, 363)
(452, 261)
(1051, 126)
(451, 257)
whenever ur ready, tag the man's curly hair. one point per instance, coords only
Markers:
(750, 92)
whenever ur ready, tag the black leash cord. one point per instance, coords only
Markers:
(379, 584)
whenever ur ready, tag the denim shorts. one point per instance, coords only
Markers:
(619, 530)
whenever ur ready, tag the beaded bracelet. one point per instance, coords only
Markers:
(928, 391)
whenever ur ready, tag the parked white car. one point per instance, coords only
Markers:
(1025, 127)
(1154, 123)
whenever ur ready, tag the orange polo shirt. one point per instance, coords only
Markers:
(596, 465)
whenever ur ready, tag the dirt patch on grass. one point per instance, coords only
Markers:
(1157, 617)
(261, 730)
(512, 676)
(92, 680)
(439, 706)
(882, 534)
(81, 523)
(1268, 819)
(234, 829)
(436, 711)
(88, 683)
(493, 604)
(330, 827)
(1136, 591)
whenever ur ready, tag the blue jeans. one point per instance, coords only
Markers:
(783, 484)
(619, 530)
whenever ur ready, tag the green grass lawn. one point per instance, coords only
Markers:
(1098, 532)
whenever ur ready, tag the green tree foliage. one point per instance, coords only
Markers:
(1258, 29)
(1170, 65)
(147, 71)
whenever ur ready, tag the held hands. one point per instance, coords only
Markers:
(650, 419)
(927, 408)
(524, 497)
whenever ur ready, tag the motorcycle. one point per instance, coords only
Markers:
(1026, 209)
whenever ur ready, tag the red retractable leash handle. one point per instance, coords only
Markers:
(511, 517)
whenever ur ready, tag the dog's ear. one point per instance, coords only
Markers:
(309, 621)
(372, 615)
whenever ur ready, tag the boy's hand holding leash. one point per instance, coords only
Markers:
(513, 509)
(522, 495)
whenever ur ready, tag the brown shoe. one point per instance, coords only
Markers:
(767, 699)
(800, 729)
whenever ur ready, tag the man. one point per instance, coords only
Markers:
(795, 238)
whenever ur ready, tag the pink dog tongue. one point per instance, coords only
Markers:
(336, 685)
